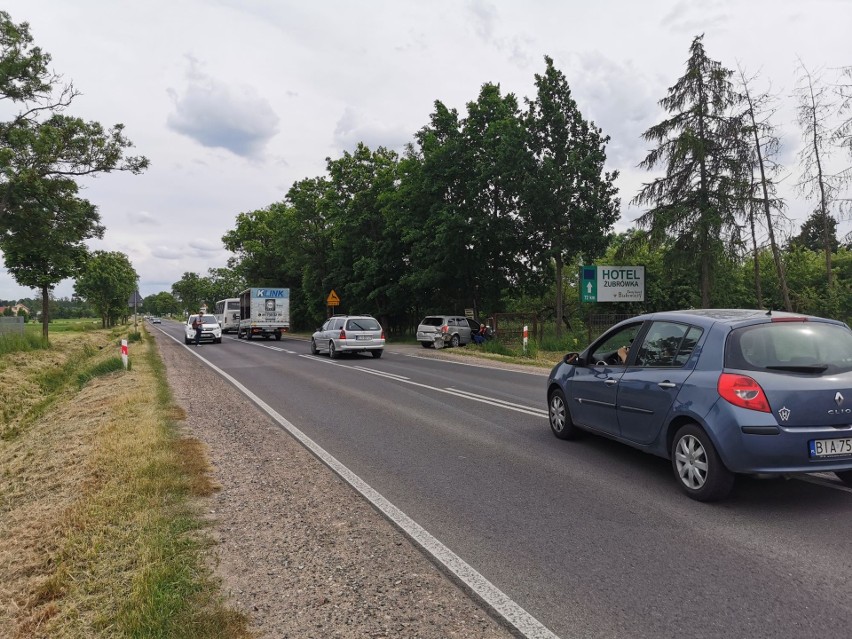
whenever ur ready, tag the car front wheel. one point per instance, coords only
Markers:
(314, 349)
(697, 466)
(559, 416)
(426, 344)
(845, 476)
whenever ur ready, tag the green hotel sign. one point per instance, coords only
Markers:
(612, 283)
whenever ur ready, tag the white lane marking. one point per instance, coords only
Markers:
(272, 348)
(452, 361)
(489, 594)
(823, 482)
(382, 373)
(253, 343)
(499, 403)
(490, 400)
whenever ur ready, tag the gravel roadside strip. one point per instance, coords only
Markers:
(298, 550)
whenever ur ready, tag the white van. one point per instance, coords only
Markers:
(227, 313)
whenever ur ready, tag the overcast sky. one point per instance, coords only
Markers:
(235, 100)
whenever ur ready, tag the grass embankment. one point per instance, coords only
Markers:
(100, 529)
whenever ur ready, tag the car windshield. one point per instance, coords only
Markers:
(205, 319)
(362, 324)
(433, 321)
(799, 347)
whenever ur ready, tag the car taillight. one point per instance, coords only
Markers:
(743, 391)
(445, 329)
(383, 335)
(342, 334)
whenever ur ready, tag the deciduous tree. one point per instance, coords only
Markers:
(570, 200)
(107, 282)
(816, 182)
(46, 242)
(762, 157)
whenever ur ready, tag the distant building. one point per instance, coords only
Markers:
(17, 308)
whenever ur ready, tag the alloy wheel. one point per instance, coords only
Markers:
(691, 462)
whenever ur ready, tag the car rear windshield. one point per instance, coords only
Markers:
(363, 324)
(798, 347)
(433, 321)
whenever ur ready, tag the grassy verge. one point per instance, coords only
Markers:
(100, 527)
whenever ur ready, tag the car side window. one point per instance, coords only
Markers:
(607, 351)
(451, 321)
(688, 345)
(667, 344)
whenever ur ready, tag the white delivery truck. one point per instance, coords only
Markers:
(264, 312)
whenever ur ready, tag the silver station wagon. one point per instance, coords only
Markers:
(349, 334)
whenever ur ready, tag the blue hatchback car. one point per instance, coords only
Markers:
(718, 392)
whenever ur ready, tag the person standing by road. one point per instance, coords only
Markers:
(198, 324)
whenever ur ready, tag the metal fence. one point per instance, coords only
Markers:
(509, 327)
(11, 325)
(597, 324)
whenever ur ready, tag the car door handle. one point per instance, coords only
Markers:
(667, 385)
(610, 381)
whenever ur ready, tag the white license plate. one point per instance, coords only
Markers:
(363, 337)
(831, 447)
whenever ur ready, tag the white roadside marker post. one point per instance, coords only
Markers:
(124, 353)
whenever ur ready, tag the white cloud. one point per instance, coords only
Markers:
(167, 253)
(287, 84)
(143, 217)
(354, 127)
(217, 115)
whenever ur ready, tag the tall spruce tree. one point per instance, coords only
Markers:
(695, 204)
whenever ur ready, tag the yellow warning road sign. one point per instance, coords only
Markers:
(332, 299)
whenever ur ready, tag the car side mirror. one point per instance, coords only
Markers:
(573, 359)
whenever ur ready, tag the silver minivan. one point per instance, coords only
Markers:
(445, 330)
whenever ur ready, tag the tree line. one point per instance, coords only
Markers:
(495, 209)
(492, 209)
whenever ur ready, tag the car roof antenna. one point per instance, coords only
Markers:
(769, 313)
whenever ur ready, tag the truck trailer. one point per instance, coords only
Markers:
(264, 312)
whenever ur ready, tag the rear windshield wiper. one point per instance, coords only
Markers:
(798, 368)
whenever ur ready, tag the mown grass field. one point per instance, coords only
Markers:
(101, 533)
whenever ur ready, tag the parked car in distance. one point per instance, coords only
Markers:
(717, 392)
(453, 330)
(349, 334)
(156, 320)
(210, 330)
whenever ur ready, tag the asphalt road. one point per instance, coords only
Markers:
(590, 537)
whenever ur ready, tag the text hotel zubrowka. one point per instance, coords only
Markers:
(620, 277)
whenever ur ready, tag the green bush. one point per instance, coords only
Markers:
(496, 347)
(14, 343)
(101, 368)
